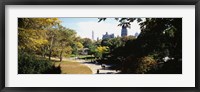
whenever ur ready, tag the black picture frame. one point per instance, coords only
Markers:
(3, 3)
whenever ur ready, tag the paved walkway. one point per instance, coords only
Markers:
(95, 67)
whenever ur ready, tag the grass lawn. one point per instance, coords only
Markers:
(70, 67)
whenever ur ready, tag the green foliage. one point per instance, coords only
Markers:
(37, 23)
(145, 64)
(86, 42)
(92, 49)
(63, 40)
(159, 38)
(76, 47)
(101, 50)
(124, 22)
(30, 64)
(170, 67)
(31, 40)
(117, 42)
(44, 36)
(139, 65)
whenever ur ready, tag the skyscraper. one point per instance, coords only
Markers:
(107, 36)
(124, 31)
(92, 35)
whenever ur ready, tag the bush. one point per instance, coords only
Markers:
(138, 65)
(145, 64)
(30, 64)
(169, 67)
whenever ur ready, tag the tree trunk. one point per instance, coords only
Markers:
(50, 47)
(44, 52)
(50, 54)
(61, 56)
(43, 55)
(61, 52)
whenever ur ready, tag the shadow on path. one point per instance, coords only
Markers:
(98, 68)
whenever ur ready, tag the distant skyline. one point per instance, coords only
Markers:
(85, 26)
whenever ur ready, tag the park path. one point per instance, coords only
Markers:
(93, 66)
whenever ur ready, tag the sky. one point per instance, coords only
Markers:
(85, 26)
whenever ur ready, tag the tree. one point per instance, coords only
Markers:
(159, 38)
(92, 49)
(77, 46)
(34, 33)
(86, 42)
(162, 36)
(37, 23)
(45, 36)
(65, 38)
(101, 50)
(31, 41)
(124, 23)
(114, 43)
(165, 40)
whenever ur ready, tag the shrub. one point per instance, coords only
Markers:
(30, 64)
(169, 67)
(145, 64)
(138, 65)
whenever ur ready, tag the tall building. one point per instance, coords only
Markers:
(124, 31)
(106, 36)
(92, 35)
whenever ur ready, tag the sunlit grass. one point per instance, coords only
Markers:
(70, 67)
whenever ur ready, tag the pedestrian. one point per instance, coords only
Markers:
(97, 71)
